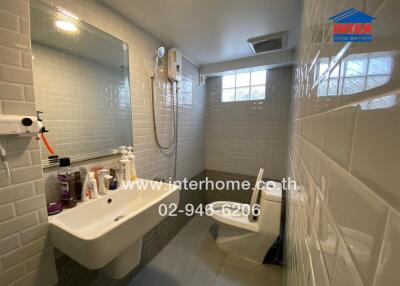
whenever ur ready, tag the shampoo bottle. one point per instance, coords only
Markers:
(132, 158)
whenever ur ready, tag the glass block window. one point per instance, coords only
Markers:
(356, 73)
(244, 86)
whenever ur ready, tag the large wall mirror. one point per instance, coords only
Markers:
(81, 81)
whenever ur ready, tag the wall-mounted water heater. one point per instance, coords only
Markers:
(16, 125)
(174, 65)
(19, 125)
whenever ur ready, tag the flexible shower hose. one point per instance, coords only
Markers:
(174, 119)
(176, 130)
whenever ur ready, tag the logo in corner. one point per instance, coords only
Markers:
(352, 25)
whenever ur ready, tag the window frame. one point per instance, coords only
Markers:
(250, 86)
(342, 75)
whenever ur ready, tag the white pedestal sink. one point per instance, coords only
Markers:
(107, 232)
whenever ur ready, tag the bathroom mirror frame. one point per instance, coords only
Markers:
(59, 12)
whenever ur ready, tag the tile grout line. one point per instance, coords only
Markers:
(391, 210)
(337, 165)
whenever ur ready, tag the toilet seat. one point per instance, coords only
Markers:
(239, 232)
(231, 213)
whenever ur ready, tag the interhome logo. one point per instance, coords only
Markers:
(352, 26)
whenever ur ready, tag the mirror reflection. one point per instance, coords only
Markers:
(81, 78)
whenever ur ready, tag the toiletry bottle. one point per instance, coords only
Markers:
(66, 180)
(92, 185)
(107, 182)
(132, 158)
(121, 148)
(76, 186)
(101, 180)
(125, 166)
(85, 195)
(114, 183)
(63, 176)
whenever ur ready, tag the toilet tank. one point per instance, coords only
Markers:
(270, 210)
(273, 192)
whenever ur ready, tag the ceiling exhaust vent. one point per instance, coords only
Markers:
(268, 43)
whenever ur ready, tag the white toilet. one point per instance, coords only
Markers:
(243, 236)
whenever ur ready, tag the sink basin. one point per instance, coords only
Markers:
(107, 232)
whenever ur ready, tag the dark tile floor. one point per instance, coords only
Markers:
(193, 258)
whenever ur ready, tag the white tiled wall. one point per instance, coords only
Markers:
(22, 203)
(192, 106)
(23, 216)
(142, 46)
(243, 137)
(343, 224)
(87, 111)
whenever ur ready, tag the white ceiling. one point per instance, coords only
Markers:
(209, 31)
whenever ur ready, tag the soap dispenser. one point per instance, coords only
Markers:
(132, 158)
(125, 166)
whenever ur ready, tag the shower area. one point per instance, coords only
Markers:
(235, 122)
(224, 128)
(177, 110)
(246, 128)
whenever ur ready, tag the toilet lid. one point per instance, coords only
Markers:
(272, 192)
(235, 219)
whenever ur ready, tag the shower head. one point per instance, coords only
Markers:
(160, 52)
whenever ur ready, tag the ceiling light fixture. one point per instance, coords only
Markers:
(66, 26)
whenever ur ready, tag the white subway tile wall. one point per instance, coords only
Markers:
(23, 215)
(242, 137)
(142, 46)
(150, 162)
(21, 235)
(343, 221)
(87, 111)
